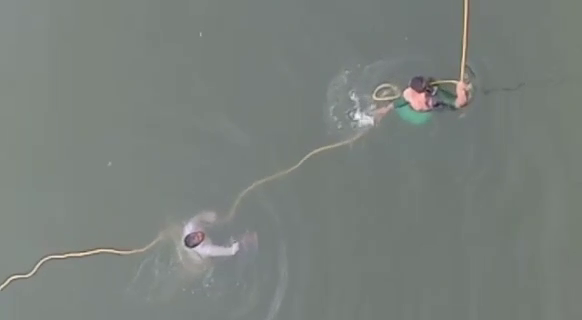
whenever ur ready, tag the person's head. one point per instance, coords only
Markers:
(419, 84)
(194, 239)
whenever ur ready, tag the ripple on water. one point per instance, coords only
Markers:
(350, 90)
(228, 288)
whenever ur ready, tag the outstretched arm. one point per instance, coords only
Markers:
(211, 250)
(379, 113)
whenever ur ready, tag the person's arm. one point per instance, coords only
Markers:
(381, 112)
(210, 250)
(445, 98)
(461, 91)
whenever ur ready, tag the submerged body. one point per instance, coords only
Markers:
(420, 98)
(196, 241)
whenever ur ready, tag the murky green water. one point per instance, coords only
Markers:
(119, 117)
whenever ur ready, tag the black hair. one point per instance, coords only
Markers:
(191, 240)
(419, 84)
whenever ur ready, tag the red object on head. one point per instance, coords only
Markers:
(194, 239)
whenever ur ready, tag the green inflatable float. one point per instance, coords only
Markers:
(389, 92)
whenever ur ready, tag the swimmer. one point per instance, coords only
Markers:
(195, 238)
(421, 96)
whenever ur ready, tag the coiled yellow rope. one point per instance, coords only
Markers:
(394, 94)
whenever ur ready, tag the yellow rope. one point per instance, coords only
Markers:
(78, 254)
(282, 173)
(465, 43)
(232, 212)
(465, 39)
(376, 96)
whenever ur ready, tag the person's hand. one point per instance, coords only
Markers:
(235, 247)
(462, 94)
(462, 87)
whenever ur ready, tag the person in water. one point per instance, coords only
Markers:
(421, 96)
(195, 238)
